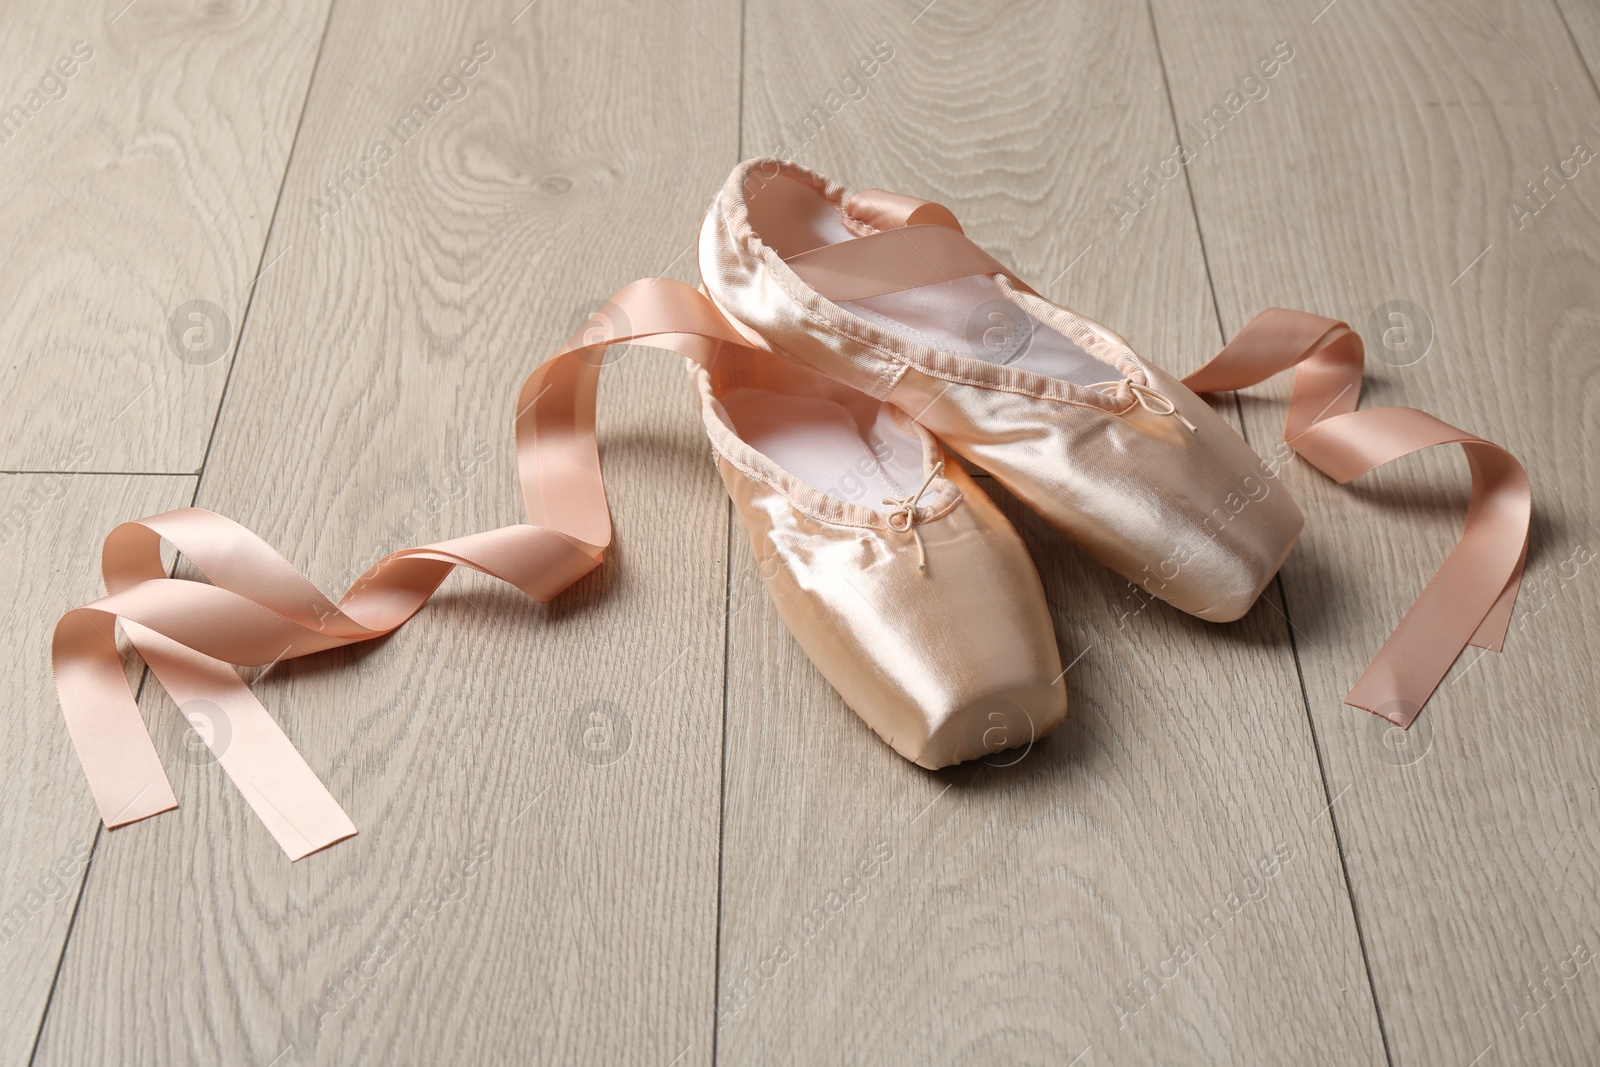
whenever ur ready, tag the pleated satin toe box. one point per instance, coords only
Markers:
(900, 579)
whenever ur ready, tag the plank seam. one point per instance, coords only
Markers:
(1294, 648)
(198, 476)
(255, 283)
(103, 474)
(1582, 60)
(72, 923)
(727, 650)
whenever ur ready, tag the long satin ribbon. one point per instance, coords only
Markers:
(255, 608)
(1468, 600)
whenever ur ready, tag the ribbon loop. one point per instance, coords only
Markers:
(1152, 400)
(1469, 599)
(905, 510)
(256, 608)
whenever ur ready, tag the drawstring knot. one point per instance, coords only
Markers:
(903, 518)
(1152, 400)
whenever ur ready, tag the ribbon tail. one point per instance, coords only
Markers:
(1470, 598)
(1491, 633)
(277, 783)
(103, 720)
(255, 607)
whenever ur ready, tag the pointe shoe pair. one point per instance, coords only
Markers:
(884, 293)
(894, 336)
(842, 346)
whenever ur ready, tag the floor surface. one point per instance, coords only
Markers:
(290, 259)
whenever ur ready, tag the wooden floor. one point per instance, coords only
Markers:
(636, 826)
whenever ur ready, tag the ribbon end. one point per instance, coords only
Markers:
(1399, 711)
(148, 802)
(1491, 632)
(300, 852)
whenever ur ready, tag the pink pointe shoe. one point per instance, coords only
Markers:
(901, 580)
(884, 293)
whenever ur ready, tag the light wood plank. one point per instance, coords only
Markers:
(51, 526)
(1383, 166)
(1582, 22)
(509, 899)
(143, 181)
(1042, 912)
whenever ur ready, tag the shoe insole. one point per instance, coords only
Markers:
(820, 443)
(976, 318)
(972, 317)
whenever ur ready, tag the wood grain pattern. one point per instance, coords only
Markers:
(523, 889)
(141, 181)
(564, 857)
(1102, 901)
(50, 528)
(1385, 165)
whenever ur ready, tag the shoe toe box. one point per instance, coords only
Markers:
(947, 664)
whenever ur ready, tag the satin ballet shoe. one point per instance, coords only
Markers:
(897, 575)
(884, 293)
(902, 581)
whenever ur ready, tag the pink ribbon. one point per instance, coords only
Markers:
(1469, 598)
(256, 608)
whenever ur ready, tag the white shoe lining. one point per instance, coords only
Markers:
(821, 443)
